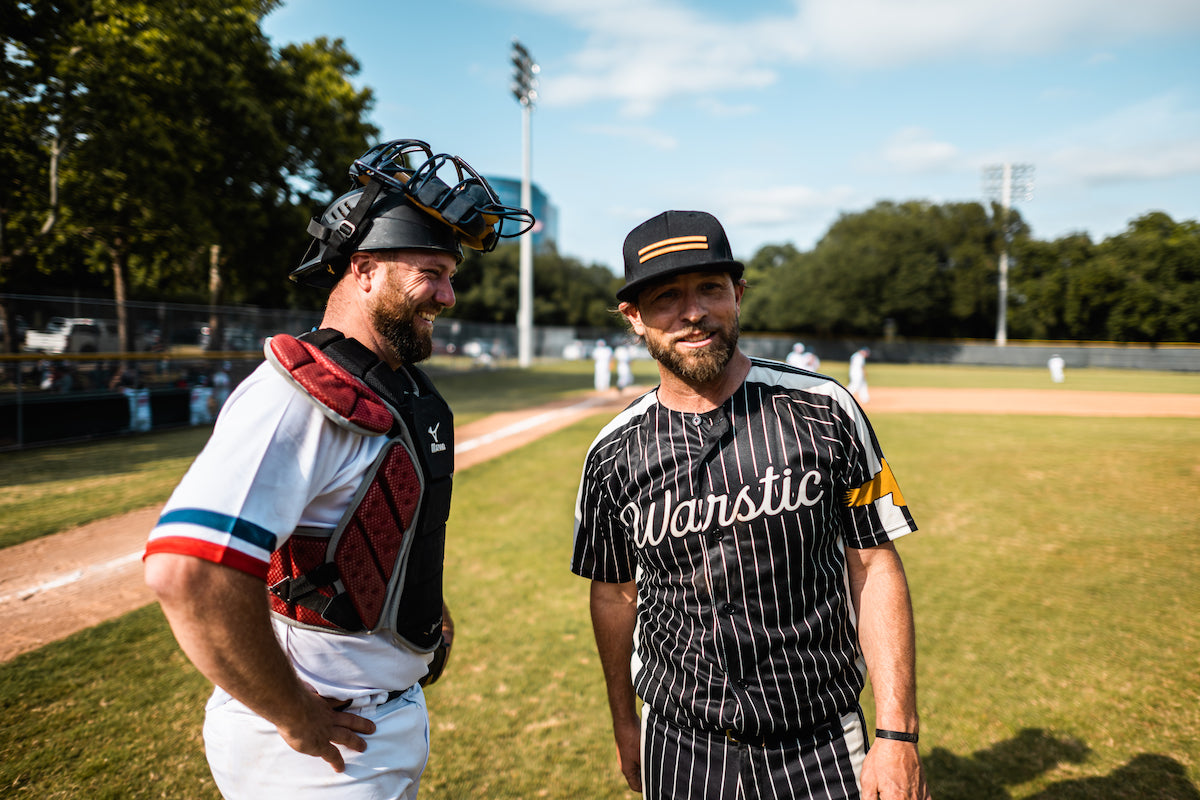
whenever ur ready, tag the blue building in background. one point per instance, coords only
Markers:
(545, 231)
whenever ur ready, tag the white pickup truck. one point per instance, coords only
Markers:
(74, 335)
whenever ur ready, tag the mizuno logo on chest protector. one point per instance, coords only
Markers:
(435, 446)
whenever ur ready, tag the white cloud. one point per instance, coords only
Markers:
(883, 33)
(914, 150)
(1099, 165)
(1151, 140)
(645, 53)
(718, 109)
(642, 53)
(650, 137)
(776, 205)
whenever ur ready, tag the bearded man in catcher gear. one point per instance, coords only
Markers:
(299, 561)
(737, 526)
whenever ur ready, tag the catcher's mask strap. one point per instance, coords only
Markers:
(333, 243)
(347, 229)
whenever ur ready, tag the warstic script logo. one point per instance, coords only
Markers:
(678, 518)
(779, 493)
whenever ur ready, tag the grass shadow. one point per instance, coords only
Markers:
(990, 774)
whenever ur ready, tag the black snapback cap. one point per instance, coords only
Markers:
(672, 243)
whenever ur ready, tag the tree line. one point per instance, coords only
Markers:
(151, 150)
(165, 150)
(913, 269)
(926, 270)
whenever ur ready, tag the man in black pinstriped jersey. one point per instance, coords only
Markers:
(736, 523)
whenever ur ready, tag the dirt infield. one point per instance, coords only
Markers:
(57, 585)
(1054, 402)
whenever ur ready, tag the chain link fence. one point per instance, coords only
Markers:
(64, 375)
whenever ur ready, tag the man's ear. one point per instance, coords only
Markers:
(362, 270)
(633, 316)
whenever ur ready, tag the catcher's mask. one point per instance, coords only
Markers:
(396, 205)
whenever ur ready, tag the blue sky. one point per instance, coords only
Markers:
(780, 115)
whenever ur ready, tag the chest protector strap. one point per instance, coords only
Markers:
(380, 569)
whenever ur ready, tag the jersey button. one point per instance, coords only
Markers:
(729, 608)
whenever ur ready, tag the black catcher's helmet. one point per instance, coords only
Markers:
(398, 201)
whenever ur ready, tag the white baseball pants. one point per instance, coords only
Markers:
(249, 760)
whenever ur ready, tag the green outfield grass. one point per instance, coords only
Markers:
(1056, 656)
(1054, 587)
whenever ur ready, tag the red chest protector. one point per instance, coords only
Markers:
(380, 569)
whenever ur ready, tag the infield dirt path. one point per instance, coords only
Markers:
(57, 585)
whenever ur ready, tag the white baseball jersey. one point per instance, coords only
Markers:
(276, 463)
(734, 524)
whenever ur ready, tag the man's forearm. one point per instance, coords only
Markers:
(221, 620)
(614, 614)
(886, 635)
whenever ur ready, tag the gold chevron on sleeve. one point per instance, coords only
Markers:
(884, 483)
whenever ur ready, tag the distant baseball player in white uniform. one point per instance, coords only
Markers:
(1057, 367)
(602, 358)
(623, 354)
(858, 375)
(800, 356)
(299, 561)
(795, 356)
(737, 526)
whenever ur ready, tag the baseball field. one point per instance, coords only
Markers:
(1054, 579)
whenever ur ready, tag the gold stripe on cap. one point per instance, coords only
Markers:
(674, 245)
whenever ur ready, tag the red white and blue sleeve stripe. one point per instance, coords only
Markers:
(215, 537)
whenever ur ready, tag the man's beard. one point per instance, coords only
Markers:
(696, 367)
(393, 317)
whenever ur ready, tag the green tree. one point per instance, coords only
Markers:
(925, 269)
(170, 129)
(568, 292)
(1155, 277)
(31, 95)
(971, 246)
(565, 291)
(1044, 283)
(769, 303)
(486, 286)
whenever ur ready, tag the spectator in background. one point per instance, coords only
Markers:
(66, 378)
(220, 382)
(56, 377)
(126, 380)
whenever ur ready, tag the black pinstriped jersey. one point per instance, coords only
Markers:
(734, 524)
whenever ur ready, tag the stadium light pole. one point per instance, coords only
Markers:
(524, 88)
(1002, 182)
